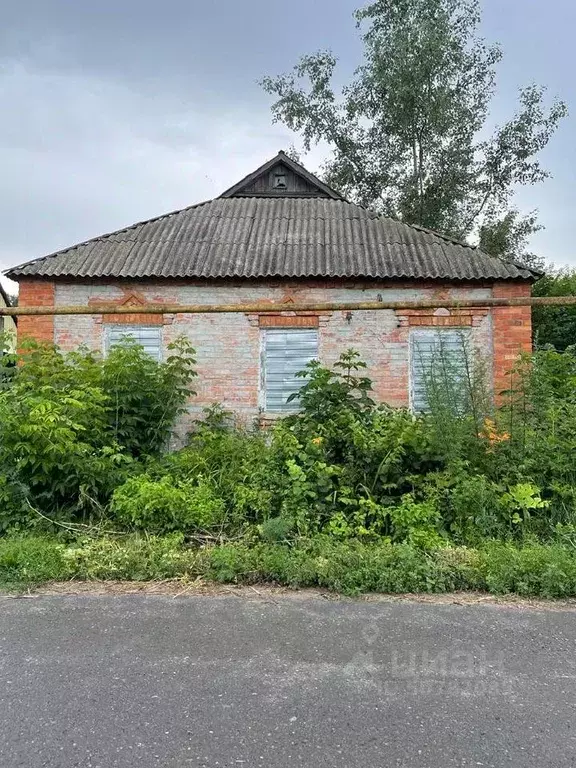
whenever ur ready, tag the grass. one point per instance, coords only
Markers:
(533, 570)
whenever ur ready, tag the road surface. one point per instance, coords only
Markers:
(100, 682)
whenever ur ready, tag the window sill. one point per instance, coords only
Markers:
(269, 417)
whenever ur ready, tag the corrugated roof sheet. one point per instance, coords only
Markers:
(262, 237)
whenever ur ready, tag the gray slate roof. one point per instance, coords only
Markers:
(257, 237)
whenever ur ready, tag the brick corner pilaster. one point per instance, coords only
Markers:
(512, 332)
(36, 293)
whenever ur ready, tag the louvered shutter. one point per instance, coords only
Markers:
(285, 353)
(150, 337)
(435, 354)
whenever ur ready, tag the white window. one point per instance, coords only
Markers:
(150, 337)
(285, 352)
(438, 361)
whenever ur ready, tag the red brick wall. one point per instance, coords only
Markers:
(36, 293)
(512, 333)
(228, 345)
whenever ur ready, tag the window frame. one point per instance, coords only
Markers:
(464, 332)
(130, 329)
(294, 406)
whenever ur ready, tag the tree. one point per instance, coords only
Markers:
(405, 133)
(555, 326)
(509, 234)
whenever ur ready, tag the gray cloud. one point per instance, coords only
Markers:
(90, 156)
(113, 112)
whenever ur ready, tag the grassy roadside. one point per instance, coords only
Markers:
(533, 570)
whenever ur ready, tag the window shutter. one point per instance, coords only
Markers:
(435, 353)
(149, 337)
(286, 352)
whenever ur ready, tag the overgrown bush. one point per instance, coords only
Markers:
(164, 505)
(220, 483)
(343, 463)
(144, 397)
(540, 421)
(71, 425)
(84, 438)
(350, 468)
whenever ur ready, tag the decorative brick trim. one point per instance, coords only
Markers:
(136, 319)
(441, 322)
(36, 293)
(290, 321)
(442, 317)
(131, 298)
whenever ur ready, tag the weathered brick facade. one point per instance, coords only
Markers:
(36, 293)
(228, 345)
(512, 332)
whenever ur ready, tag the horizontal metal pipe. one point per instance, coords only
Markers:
(307, 306)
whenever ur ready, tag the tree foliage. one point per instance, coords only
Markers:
(408, 134)
(510, 234)
(555, 326)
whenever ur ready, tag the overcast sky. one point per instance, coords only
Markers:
(119, 110)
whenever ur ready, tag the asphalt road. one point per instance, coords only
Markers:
(224, 681)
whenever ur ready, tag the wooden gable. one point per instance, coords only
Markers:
(281, 177)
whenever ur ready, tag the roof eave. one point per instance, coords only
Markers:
(69, 277)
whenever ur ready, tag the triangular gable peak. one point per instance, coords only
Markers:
(281, 177)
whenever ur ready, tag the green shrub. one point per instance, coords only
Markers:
(540, 418)
(350, 567)
(53, 444)
(276, 529)
(237, 464)
(347, 467)
(416, 522)
(133, 559)
(72, 424)
(543, 570)
(32, 560)
(144, 397)
(555, 326)
(161, 506)
(342, 463)
(223, 480)
(82, 439)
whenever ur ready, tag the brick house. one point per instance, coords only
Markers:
(280, 235)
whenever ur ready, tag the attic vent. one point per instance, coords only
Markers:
(280, 181)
